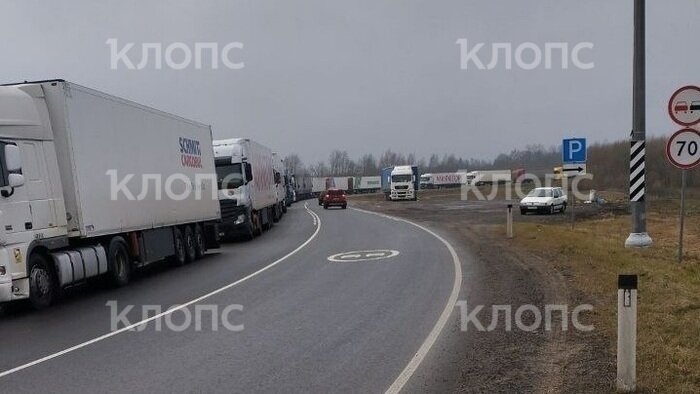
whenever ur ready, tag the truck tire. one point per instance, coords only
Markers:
(118, 262)
(256, 223)
(180, 256)
(345, 206)
(551, 209)
(563, 208)
(199, 242)
(43, 288)
(190, 245)
(276, 214)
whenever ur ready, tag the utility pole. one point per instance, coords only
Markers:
(638, 238)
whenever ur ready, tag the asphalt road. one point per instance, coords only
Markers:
(309, 324)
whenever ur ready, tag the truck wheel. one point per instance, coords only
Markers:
(523, 211)
(284, 207)
(276, 214)
(563, 208)
(256, 223)
(199, 242)
(118, 261)
(551, 209)
(42, 282)
(190, 245)
(180, 256)
(345, 206)
(325, 206)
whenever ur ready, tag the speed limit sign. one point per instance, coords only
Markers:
(683, 149)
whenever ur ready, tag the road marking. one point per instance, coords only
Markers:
(317, 223)
(423, 350)
(363, 255)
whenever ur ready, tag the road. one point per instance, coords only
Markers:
(309, 324)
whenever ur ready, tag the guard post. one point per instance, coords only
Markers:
(626, 333)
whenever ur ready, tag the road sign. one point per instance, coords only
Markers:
(684, 106)
(683, 149)
(574, 169)
(573, 150)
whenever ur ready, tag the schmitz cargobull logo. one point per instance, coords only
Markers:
(191, 154)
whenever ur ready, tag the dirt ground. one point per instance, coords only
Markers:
(496, 272)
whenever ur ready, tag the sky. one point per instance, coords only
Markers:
(370, 75)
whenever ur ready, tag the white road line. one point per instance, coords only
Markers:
(423, 350)
(317, 223)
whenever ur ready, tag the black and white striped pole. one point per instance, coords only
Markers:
(638, 238)
(626, 333)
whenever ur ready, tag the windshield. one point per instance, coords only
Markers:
(401, 178)
(540, 193)
(229, 176)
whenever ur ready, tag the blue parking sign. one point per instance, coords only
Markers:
(573, 150)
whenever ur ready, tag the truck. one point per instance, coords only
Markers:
(442, 180)
(367, 184)
(302, 187)
(400, 182)
(75, 170)
(247, 188)
(280, 186)
(487, 177)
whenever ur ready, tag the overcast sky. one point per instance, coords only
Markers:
(365, 76)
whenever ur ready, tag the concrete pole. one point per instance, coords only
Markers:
(509, 222)
(626, 333)
(638, 238)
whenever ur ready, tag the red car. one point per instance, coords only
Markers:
(681, 106)
(335, 197)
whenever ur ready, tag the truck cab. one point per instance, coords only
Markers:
(404, 182)
(233, 176)
(426, 181)
(32, 211)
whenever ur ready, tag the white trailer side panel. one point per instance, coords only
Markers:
(97, 135)
(263, 193)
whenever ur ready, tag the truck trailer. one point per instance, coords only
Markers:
(247, 188)
(80, 191)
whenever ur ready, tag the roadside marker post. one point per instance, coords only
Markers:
(626, 333)
(509, 222)
(683, 152)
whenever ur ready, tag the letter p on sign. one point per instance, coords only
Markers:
(574, 150)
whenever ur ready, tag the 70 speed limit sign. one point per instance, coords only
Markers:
(683, 149)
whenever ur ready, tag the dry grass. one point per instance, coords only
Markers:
(669, 293)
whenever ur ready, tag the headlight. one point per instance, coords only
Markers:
(240, 219)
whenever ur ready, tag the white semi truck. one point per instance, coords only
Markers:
(400, 182)
(91, 184)
(247, 189)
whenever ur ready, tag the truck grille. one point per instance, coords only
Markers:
(401, 187)
(229, 209)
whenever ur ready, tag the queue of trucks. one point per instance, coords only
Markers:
(71, 210)
(94, 185)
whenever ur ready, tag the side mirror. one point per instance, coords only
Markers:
(13, 161)
(15, 180)
(248, 172)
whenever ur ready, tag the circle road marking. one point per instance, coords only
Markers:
(363, 255)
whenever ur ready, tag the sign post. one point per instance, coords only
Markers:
(683, 151)
(638, 238)
(574, 155)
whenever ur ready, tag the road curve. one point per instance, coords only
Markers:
(309, 324)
